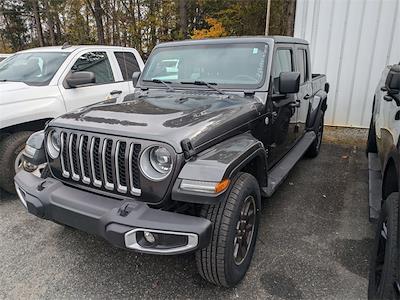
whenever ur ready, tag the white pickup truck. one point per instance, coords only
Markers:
(40, 84)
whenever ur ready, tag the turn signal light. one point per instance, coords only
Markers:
(222, 185)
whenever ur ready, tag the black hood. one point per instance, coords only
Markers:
(168, 117)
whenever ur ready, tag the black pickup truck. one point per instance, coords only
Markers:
(182, 164)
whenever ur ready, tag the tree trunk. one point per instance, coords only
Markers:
(50, 23)
(183, 17)
(38, 23)
(291, 9)
(98, 18)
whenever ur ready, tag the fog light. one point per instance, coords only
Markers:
(149, 237)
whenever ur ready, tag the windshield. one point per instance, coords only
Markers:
(227, 65)
(33, 68)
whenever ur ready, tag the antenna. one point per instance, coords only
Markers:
(65, 45)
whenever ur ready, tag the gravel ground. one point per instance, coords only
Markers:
(313, 243)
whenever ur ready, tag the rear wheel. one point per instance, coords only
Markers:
(235, 225)
(315, 147)
(384, 258)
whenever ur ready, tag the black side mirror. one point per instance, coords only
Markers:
(392, 83)
(80, 78)
(135, 78)
(289, 82)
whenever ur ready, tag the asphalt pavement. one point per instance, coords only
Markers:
(313, 243)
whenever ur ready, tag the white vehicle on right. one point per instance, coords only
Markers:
(383, 149)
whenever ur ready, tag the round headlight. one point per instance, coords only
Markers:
(156, 163)
(160, 159)
(53, 144)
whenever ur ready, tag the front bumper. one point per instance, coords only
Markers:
(122, 223)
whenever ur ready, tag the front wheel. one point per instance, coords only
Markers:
(383, 280)
(235, 226)
(11, 148)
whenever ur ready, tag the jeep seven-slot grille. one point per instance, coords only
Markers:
(106, 163)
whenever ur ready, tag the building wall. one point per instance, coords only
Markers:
(351, 41)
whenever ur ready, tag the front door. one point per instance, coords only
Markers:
(107, 81)
(283, 120)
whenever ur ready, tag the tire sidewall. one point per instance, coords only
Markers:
(11, 147)
(389, 214)
(237, 272)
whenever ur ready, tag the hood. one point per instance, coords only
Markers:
(168, 117)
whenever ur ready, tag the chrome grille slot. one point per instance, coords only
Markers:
(102, 162)
(107, 164)
(120, 167)
(95, 161)
(134, 176)
(73, 157)
(83, 161)
(64, 155)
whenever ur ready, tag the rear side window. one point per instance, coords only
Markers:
(283, 62)
(127, 63)
(303, 65)
(96, 62)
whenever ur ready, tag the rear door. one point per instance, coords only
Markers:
(108, 79)
(128, 63)
(305, 92)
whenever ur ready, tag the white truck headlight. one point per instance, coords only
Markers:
(156, 163)
(53, 144)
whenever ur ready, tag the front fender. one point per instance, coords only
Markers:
(32, 110)
(222, 161)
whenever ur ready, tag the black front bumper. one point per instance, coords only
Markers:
(109, 218)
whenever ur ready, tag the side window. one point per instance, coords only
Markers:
(96, 62)
(127, 63)
(303, 65)
(283, 62)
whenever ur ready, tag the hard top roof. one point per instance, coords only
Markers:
(249, 39)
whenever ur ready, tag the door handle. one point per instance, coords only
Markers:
(295, 103)
(115, 92)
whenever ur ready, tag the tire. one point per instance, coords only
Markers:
(371, 142)
(315, 147)
(10, 147)
(384, 257)
(217, 263)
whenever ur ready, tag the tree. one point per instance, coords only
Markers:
(98, 13)
(38, 22)
(216, 30)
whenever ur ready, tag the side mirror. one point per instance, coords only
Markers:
(80, 78)
(392, 83)
(289, 82)
(135, 78)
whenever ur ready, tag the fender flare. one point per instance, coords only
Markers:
(317, 109)
(222, 161)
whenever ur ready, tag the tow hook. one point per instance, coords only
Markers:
(126, 208)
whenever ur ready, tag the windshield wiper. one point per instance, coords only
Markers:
(165, 83)
(210, 85)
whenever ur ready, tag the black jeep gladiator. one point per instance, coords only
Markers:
(182, 164)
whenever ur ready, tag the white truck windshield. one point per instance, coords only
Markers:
(33, 68)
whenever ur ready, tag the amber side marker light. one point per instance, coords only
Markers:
(209, 187)
(222, 185)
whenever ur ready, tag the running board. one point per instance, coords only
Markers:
(281, 170)
(375, 186)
